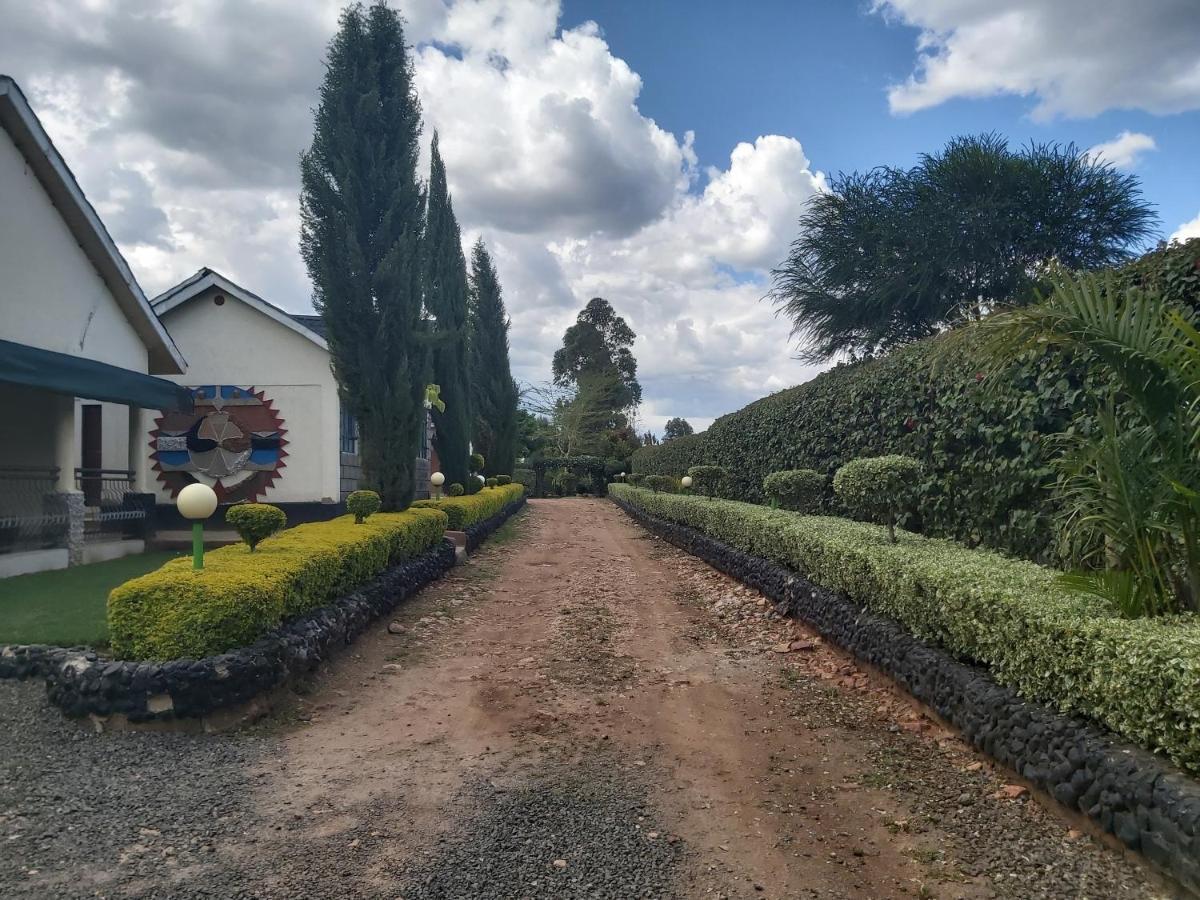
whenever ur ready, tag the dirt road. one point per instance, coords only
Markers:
(579, 711)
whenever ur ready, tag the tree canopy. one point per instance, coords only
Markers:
(598, 345)
(676, 427)
(893, 255)
(361, 212)
(494, 393)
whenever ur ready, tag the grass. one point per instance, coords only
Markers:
(66, 608)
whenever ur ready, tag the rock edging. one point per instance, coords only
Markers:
(1145, 802)
(82, 683)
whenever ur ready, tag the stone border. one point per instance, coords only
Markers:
(82, 683)
(1149, 805)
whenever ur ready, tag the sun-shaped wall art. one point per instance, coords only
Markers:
(231, 441)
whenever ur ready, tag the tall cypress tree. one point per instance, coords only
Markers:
(493, 391)
(361, 216)
(446, 292)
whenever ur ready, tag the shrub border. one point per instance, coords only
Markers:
(82, 683)
(1149, 805)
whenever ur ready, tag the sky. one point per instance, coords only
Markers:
(657, 154)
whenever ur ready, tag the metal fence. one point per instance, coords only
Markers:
(111, 509)
(33, 515)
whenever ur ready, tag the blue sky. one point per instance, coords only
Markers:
(656, 153)
(819, 70)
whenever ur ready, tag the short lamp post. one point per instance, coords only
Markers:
(437, 479)
(686, 481)
(197, 502)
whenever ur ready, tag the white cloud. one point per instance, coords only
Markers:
(184, 127)
(1187, 230)
(1077, 57)
(1125, 150)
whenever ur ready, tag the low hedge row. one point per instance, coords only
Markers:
(467, 510)
(238, 596)
(1140, 678)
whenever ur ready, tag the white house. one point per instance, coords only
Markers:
(79, 348)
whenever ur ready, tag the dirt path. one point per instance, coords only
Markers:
(582, 710)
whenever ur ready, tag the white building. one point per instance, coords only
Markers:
(79, 349)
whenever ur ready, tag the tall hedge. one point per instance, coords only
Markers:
(673, 457)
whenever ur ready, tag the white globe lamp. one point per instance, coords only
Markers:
(197, 502)
(437, 479)
(686, 481)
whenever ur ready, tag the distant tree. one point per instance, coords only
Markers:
(676, 427)
(649, 439)
(494, 393)
(361, 214)
(892, 255)
(446, 291)
(599, 343)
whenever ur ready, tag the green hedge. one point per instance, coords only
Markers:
(1140, 677)
(177, 612)
(673, 457)
(464, 511)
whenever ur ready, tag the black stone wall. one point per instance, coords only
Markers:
(1148, 804)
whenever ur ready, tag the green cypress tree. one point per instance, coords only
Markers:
(361, 215)
(446, 291)
(494, 393)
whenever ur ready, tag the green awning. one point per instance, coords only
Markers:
(62, 373)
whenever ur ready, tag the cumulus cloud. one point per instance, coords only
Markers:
(1125, 150)
(1187, 230)
(184, 126)
(1076, 57)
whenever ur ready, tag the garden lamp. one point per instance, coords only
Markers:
(686, 481)
(197, 502)
(437, 479)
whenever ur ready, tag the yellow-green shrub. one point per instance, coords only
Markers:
(1141, 678)
(237, 597)
(466, 511)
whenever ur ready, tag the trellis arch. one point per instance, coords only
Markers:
(591, 465)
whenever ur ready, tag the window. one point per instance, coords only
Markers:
(349, 433)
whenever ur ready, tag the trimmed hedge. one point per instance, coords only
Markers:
(237, 597)
(673, 457)
(464, 511)
(1140, 678)
(800, 490)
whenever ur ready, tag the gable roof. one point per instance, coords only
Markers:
(206, 278)
(18, 119)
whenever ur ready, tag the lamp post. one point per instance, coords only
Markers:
(437, 479)
(686, 481)
(197, 502)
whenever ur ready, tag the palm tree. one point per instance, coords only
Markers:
(1135, 482)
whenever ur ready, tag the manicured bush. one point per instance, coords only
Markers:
(1140, 678)
(255, 522)
(503, 479)
(362, 505)
(800, 490)
(465, 511)
(636, 478)
(878, 488)
(659, 483)
(707, 479)
(671, 457)
(455, 490)
(477, 463)
(178, 612)
(490, 482)
(473, 485)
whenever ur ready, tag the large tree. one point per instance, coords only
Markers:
(676, 427)
(494, 393)
(598, 345)
(893, 255)
(446, 298)
(361, 210)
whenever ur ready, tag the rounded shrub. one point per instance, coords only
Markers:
(491, 482)
(878, 488)
(255, 522)
(660, 483)
(503, 479)
(636, 478)
(477, 462)
(706, 479)
(799, 490)
(362, 504)
(455, 490)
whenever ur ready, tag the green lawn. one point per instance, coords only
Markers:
(66, 607)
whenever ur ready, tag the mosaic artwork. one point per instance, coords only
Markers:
(232, 440)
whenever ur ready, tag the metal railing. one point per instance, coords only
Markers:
(33, 515)
(110, 508)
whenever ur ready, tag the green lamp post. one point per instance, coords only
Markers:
(197, 502)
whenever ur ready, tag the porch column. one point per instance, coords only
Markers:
(137, 451)
(64, 458)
